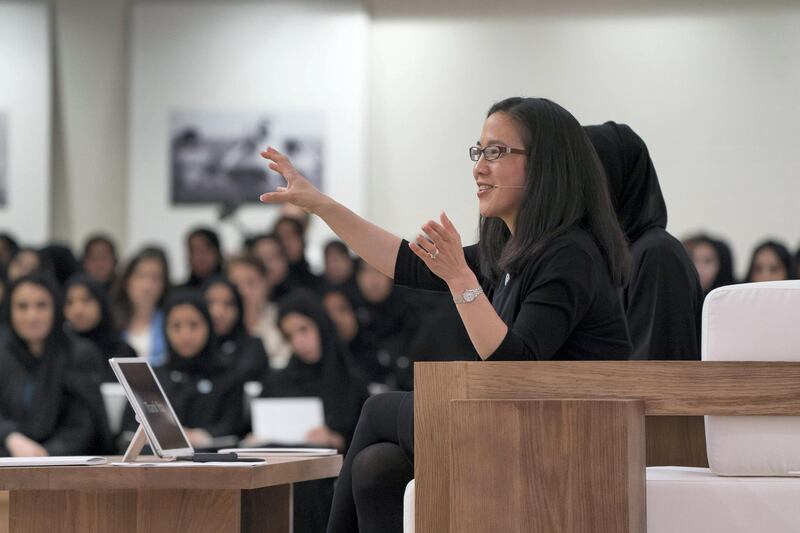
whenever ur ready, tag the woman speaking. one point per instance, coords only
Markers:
(542, 282)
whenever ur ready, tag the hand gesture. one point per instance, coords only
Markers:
(298, 191)
(440, 247)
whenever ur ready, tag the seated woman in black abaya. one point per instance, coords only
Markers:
(49, 404)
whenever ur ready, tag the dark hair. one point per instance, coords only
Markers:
(56, 336)
(123, 307)
(296, 225)
(337, 246)
(209, 235)
(206, 360)
(99, 238)
(565, 188)
(247, 260)
(725, 275)
(781, 251)
(239, 329)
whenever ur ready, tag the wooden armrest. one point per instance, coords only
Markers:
(667, 389)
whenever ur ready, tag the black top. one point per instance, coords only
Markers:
(52, 399)
(663, 300)
(562, 305)
(333, 378)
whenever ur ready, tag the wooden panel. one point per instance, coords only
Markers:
(198, 511)
(3, 512)
(73, 511)
(277, 471)
(685, 388)
(547, 466)
(677, 388)
(434, 388)
(676, 441)
(267, 510)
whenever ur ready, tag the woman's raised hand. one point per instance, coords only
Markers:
(298, 191)
(440, 248)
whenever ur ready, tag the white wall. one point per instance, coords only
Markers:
(89, 93)
(713, 93)
(242, 57)
(25, 100)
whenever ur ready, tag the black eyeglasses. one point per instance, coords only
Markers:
(491, 153)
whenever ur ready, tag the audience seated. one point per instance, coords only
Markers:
(663, 299)
(339, 264)
(713, 260)
(100, 260)
(87, 313)
(50, 403)
(771, 261)
(241, 354)
(291, 233)
(268, 249)
(140, 295)
(260, 314)
(205, 256)
(27, 261)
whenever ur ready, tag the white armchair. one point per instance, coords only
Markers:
(746, 488)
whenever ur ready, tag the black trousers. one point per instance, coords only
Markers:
(379, 464)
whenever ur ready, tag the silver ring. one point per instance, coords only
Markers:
(434, 255)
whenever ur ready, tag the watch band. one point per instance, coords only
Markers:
(469, 295)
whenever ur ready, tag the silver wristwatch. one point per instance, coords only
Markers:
(469, 295)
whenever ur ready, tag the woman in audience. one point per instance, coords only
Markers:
(341, 305)
(100, 260)
(239, 352)
(61, 260)
(207, 401)
(290, 232)
(339, 264)
(663, 299)
(8, 247)
(542, 283)
(27, 261)
(389, 318)
(140, 296)
(49, 405)
(260, 315)
(713, 260)
(205, 256)
(771, 261)
(320, 366)
(269, 250)
(87, 310)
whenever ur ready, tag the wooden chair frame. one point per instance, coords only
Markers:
(562, 447)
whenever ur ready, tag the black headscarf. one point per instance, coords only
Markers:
(212, 238)
(104, 335)
(781, 251)
(241, 354)
(205, 362)
(61, 371)
(725, 275)
(332, 378)
(663, 299)
(239, 328)
(633, 183)
(62, 260)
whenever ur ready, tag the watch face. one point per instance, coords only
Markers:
(469, 296)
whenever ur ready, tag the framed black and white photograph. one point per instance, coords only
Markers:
(215, 155)
(3, 160)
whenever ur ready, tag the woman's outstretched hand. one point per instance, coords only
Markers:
(440, 247)
(298, 191)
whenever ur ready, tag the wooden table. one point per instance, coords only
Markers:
(125, 499)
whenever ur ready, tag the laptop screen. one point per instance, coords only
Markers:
(160, 418)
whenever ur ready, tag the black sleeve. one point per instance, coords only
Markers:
(75, 433)
(7, 427)
(411, 271)
(230, 417)
(556, 297)
(661, 307)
